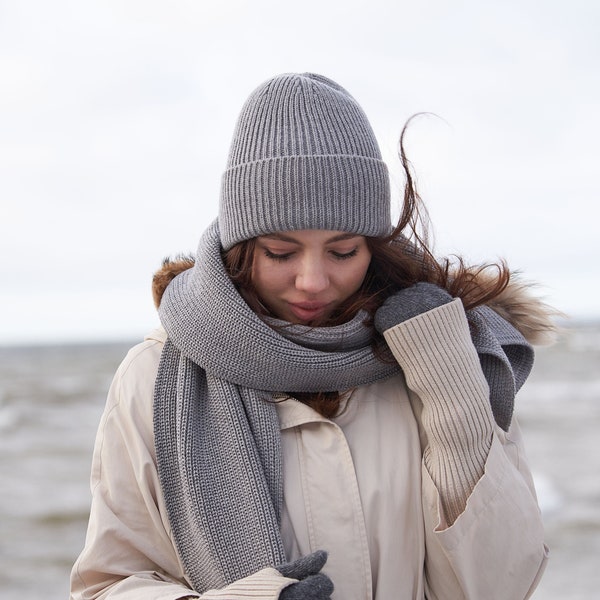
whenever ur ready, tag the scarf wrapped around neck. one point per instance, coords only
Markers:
(216, 429)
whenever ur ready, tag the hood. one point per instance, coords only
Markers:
(517, 304)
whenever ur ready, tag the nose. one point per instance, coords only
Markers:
(312, 277)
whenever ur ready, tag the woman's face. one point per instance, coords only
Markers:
(302, 276)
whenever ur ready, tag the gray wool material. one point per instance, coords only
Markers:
(312, 584)
(217, 434)
(506, 359)
(216, 429)
(303, 156)
(206, 318)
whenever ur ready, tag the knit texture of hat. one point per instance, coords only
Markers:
(303, 156)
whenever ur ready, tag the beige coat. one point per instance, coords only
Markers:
(354, 486)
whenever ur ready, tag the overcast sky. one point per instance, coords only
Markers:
(116, 117)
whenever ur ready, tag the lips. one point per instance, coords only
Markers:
(308, 311)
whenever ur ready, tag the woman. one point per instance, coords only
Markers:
(327, 411)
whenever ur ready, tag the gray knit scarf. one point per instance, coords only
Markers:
(217, 438)
(216, 427)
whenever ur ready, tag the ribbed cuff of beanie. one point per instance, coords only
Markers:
(441, 365)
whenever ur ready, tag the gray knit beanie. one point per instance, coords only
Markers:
(303, 156)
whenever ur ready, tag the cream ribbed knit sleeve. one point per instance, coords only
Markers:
(266, 584)
(441, 365)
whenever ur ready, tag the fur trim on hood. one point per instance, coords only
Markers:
(169, 270)
(516, 304)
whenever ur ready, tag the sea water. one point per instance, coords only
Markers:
(51, 399)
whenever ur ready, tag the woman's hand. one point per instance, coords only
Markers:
(312, 584)
(408, 303)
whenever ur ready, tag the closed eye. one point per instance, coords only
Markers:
(279, 257)
(345, 255)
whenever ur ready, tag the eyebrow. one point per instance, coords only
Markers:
(286, 238)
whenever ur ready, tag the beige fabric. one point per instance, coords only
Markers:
(360, 509)
(356, 487)
(129, 552)
(457, 415)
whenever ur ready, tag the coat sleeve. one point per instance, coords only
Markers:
(129, 553)
(495, 547)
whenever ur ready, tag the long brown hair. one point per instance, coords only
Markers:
(398, 260)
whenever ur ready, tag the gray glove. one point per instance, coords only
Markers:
(408, 303)
(312, 584)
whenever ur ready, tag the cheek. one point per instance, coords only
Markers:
(360, 277)
(266, 278)
(355, 276)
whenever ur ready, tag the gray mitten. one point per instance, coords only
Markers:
(408, 303)
(312, 584)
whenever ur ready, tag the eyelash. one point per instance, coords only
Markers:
(277, 257)
(345, 255)
(286, 256)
